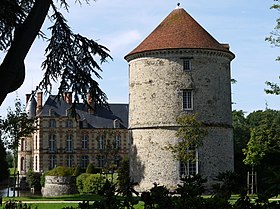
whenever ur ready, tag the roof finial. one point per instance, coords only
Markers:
(178, 6)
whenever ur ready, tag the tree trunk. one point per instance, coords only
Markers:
(12, 70)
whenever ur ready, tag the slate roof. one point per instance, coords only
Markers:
(102, 117)
(179, 30)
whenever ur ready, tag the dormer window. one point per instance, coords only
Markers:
(51, 112)
(116, 123)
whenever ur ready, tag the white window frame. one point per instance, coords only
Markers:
(52, 161)
(187, 99)
(85, 142)
(101, 142)
(52, 143)
(190, 168)
(69, 160)
(118, 141)
(84, 161)
(69, 143)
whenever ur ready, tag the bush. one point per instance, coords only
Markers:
(61, 171)
(33, 180)
(90, 168)
(89, 183)
(77, 171)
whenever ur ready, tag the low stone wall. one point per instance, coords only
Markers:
(58, 185)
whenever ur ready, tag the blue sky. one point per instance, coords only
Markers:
(121, 25)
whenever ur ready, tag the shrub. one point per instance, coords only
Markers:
(61, 171)
(33, 180)
(90, 168)
(89, 183)
(77, 171)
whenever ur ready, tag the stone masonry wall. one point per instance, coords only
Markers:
(57, 186)
(156, 81)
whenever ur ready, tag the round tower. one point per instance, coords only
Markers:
(178, 69)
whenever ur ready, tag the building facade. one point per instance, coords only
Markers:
(99, 135)
(178, 69)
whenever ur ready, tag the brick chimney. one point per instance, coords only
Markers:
(90, 103)
(68, 97)
(39, 102)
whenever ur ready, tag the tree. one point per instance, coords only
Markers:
(4, 174)
(190, 134)
(264, 140)
(241, 136)
(274, 39)
(69, 56)
(15, 126)
(263, 149)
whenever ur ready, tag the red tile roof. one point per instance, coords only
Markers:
(179, 30)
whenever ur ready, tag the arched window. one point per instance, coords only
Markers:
(36, 163)
(22, 167)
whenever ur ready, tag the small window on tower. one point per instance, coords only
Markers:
(187, 99)
(186, 64)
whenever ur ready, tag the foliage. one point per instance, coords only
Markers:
(190, 134)
(33, 180)
(89, 183)
(241, 136)
(228, 184)
(70, 57)
(16, 125)
(61, 171)
(274, 39)
(4, 174)
(12, 204)
(90, 168)
(123, 175)
(77, 171)
(265, 135)
(108, 150)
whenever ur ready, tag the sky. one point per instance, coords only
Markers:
(121, 25)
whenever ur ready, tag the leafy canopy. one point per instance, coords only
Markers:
(70, 57)
(190, 133)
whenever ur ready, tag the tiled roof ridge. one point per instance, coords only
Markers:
(179, 30)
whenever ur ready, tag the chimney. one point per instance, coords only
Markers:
(39, 102)
(68, 97)
(27, 97)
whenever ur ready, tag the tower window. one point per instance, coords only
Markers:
(186, 64)
(187, 99)
(191, 167)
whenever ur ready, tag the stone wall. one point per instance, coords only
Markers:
(156, 81)
(58, 185)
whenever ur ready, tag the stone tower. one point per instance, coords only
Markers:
(178, 69)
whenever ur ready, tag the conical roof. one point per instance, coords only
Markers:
(179, 30)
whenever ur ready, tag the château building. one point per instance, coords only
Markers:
(96, 135)
(178, 69)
